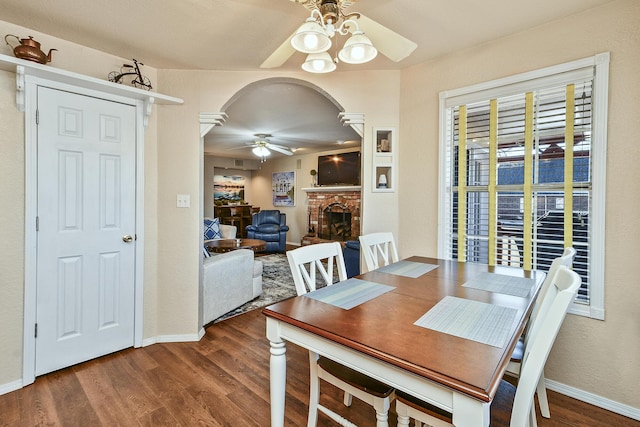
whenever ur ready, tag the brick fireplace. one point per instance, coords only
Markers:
(333, 214)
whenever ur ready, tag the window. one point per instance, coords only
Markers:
(523, 172)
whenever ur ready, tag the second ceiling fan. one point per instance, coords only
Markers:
(261, 147)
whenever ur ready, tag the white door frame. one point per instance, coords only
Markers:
(31, 203)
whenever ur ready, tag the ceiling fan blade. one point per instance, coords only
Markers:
(388, 42)
(280, 149)
(239, 148)
(280, 55)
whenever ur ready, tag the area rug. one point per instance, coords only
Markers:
(277, 285)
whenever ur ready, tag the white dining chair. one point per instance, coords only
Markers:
(379, 249)
(553, 309)
(513, 369)
(305, 263)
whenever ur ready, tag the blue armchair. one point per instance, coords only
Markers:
(270, 226)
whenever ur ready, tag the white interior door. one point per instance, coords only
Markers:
(86, 210)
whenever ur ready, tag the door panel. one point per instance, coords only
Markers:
(86, 204)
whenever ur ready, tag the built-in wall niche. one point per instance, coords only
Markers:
(385, 146)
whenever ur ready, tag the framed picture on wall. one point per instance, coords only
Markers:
(283, 188)
(229, 188)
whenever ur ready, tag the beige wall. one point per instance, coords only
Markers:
(12, 226)
(600, 357)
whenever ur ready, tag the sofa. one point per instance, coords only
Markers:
(270, 226)
(229, 279)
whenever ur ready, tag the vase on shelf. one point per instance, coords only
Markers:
(382, 181)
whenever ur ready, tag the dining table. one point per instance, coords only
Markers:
(440, 330)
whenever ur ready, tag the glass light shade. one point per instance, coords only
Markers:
(358, 49)
(319, 63)
(261, 151)
(311, 38)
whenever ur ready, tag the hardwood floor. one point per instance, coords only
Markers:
(222, 380)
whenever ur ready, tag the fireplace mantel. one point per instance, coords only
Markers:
(332, 189)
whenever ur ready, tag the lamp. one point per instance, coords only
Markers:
(262, 152)
(358, 49)
(314, 38)
(311, 37)
(319, 63)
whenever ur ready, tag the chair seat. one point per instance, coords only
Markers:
(500, 405)
(355, 378)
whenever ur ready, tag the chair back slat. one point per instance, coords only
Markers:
(306, 261)
(377, 247)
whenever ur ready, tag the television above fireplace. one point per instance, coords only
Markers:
(339, 169)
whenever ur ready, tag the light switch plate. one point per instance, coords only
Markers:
(183, 201)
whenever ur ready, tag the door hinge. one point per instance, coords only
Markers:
(37, 223)
(37, 116)
(36, 331)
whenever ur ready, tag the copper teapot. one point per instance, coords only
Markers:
(29, 49)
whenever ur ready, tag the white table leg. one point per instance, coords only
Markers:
(277, 373)
(468, 412)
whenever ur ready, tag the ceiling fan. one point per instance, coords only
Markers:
(386, 41)
(261, 147)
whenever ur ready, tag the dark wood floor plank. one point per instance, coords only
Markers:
(105, 399)
(175, 398)
(158, 417)
(221, 409)
(37, 406)
(243, 371)
(208, 373)
(223, 380)
(8, 415)
(67, 393)
(131, 387)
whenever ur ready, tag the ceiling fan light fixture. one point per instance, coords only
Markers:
(311, 37)
(358, 49)
(319, 63)
(261, 151)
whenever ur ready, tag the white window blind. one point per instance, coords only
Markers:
(523, 170)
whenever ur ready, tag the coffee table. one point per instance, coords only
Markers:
(227, 245)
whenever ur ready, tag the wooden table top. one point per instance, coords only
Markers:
(384, 326)
(227, 245)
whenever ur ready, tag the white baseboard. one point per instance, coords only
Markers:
(12, 386)
(594, 399)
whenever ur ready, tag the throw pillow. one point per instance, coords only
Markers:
(212, 229)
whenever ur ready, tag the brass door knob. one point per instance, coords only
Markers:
(127, 238)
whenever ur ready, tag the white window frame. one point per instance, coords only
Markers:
(598, 66)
